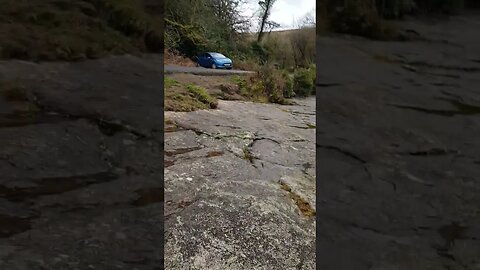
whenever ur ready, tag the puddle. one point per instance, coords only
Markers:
(10, 225)
(54, 185)
(181, 151)
(149, 196)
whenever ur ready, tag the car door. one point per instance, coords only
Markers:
(201, 59)
(204, 61)
(208, 60)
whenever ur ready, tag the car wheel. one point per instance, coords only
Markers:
(214, 66)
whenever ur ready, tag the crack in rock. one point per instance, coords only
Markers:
(431, 152)
(107, 126)
(342, 151)
(350, 155)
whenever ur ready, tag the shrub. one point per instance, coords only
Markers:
(359, 19)
(274, 83)
(304, 81)
(288, 90)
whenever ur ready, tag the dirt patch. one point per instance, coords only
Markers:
(173, 58)
(215, 153)
(302, 205)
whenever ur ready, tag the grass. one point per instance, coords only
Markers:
(202, 95)
(247, 154)
(47, 30)
(187, 97)
(169, 82)
(302, 205)
(191, 92)
(169, 125)
(251, 87)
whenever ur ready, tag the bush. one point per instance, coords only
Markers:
(288, 89)
(359, 19)
(274, 82)
(304, 82)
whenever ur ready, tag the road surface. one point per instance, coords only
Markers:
(203, 71)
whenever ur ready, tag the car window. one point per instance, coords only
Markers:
(218, 55)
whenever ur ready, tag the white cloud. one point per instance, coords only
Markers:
(284, 12)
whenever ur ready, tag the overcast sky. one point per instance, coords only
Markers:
(284, 11)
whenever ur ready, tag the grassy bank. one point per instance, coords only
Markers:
(187, 92)
(44, 30)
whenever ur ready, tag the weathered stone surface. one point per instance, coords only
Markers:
(80, 166)
(226, 207)
(397, 150)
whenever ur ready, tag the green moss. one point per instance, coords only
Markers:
(169, 82)
(202, 95)
(183, 102)
(247, 154)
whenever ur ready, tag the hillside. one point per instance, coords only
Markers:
(43, 30)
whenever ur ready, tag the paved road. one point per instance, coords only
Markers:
(203, 71)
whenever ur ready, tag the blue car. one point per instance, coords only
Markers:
(214, 60)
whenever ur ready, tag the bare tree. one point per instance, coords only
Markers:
(303, 40)
(265, 10)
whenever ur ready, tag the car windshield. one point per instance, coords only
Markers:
(217, 55)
